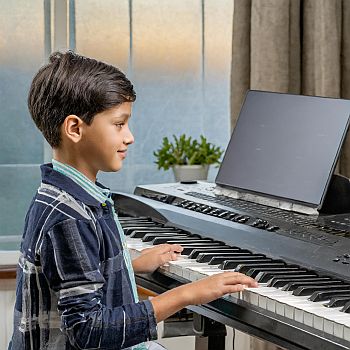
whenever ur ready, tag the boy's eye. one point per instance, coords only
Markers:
(120, 125)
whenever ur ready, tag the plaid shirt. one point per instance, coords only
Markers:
(74, 288)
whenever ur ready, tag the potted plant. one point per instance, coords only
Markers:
(189, 158)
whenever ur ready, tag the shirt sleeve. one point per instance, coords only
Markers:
(70, 257)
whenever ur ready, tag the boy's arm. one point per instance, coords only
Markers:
(199, 292)
(71, 265)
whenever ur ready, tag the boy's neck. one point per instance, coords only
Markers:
(76, 163)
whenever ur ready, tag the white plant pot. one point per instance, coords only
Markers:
(190, 172)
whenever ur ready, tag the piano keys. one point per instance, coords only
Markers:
(299, 303)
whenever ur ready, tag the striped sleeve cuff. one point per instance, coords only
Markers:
(153, 334)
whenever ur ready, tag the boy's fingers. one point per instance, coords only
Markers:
(162, 248)
(168, 256)
(240, 279)
(234, 288)
(166, 248)
(234, 278)
(173, 256)
(176, 248)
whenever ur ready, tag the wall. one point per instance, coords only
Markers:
(177, 53)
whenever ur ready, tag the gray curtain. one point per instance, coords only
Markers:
(297, 46)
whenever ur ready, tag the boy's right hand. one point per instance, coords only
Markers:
(199, 292)
(216, 286)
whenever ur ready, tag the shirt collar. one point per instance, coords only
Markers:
(75, 183)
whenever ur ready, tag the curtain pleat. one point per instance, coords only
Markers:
(240, 72)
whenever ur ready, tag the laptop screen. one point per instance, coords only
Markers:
(285, 146)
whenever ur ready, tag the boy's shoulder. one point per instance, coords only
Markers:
(58, 202)
(52, 205)
(59, 198)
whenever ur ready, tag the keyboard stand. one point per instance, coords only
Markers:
(210, 334)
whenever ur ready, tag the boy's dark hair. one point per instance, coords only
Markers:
(74, 84)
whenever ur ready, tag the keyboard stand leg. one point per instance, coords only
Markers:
(201, 343)
(210, 335)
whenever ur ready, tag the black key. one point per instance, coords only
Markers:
(264, 277)
(338, 301)
(156, 229)
(223, 249)
(328, 294)
(296, 284)
(346, 308)
(129, 229)
(131, 219)
(168, 237)
(232, 263)
(147, 221)
(164, 229)
(220, 259)
(309, 290)
(142, 233)
(243, 268)
(188, 248)
(280, 282)
(206, 257)
(167, 232)
(182, 240)
(151, 236)
(139, 223)
(254, 272)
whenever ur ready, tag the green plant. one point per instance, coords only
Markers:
(186, 151)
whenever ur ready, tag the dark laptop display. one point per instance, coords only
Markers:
(285, 146)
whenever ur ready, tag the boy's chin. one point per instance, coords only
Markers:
(113, 168)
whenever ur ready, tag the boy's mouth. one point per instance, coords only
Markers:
(122, 153)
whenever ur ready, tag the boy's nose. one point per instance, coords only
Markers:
(129, 138)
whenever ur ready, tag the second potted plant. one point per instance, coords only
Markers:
(189, 158)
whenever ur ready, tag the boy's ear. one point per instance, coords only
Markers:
(72, 128)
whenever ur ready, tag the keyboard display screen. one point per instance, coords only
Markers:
(285, 146)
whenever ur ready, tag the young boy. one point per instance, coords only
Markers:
(75, 283)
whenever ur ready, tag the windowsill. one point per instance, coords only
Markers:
(9, 254)
(8, 257)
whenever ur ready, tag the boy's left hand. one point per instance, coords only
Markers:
(151, 258)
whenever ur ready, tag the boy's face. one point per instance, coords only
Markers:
(106, 139)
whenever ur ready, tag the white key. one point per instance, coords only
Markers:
(177, 267)
(334, 323)
(302, 310)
